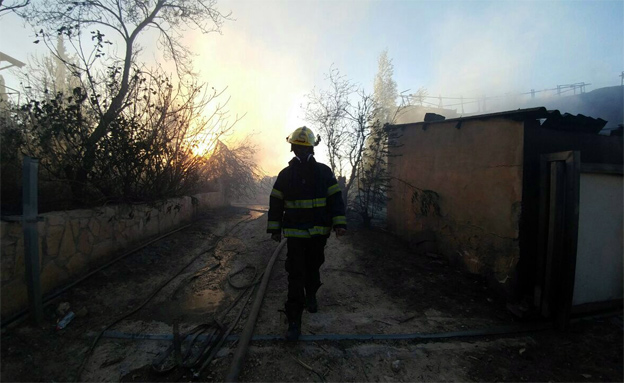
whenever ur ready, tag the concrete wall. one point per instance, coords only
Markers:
(72, 243)
(599, 262)
(472, 176)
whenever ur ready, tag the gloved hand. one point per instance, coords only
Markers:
(340, 231)
(277, 237)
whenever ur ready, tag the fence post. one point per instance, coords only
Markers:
(31, 237)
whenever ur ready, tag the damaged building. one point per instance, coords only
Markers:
(530, 199)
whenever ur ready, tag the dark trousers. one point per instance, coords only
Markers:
(305, 257)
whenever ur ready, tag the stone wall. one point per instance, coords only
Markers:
(72, 243)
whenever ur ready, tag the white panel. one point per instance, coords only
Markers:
(599, 262)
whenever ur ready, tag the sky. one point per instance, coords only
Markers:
(272, 53)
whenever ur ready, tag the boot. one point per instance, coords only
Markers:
(294, 324)
(294, 330)
(311, 303)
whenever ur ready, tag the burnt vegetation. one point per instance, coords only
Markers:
(106, 127)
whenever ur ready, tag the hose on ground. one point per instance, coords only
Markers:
(491, 331)
(92, 347)
(210, 344)
(149, 298)
(55, 294)
(243, 343)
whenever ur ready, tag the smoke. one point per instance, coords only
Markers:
(506, 49)
(276, 52)
(269, 58)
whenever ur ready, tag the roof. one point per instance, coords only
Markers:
(551, 119)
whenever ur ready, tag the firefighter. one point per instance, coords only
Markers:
(305, 204)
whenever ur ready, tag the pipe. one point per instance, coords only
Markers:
(245, 338)
(203, 251)
(499, 330)
(124, 316)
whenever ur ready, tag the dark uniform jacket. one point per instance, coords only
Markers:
(306, 201)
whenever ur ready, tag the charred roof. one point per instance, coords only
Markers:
(549, 119)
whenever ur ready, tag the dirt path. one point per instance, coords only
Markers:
(372, 285)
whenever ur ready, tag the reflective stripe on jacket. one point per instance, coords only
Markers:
(306, 201)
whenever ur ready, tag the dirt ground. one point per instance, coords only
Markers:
(372, 285)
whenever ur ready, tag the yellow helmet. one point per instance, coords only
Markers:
(302, 136)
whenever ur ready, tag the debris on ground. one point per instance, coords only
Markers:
(372, 284)
(65, 320)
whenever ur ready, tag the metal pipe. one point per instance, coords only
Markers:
(31, 237)
(245, 338)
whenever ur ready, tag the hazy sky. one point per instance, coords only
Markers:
(275, 52)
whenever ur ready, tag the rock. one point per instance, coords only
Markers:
(433, 255)
(223, 353)
(62, 309)
(396, 366)
(82, 312)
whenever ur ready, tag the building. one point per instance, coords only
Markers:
(531, 199)
(416, 113)
(6, 91)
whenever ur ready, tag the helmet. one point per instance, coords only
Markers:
(302, 136)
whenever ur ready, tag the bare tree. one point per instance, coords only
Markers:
(327, 109)
(12, 6)
(235, 168)
(125, 21)
(351, 122)
(343, 114)
(418, 97)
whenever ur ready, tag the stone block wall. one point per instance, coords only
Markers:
(72, 243)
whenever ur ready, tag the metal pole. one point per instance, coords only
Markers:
(31, 240)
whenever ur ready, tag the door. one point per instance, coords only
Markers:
(558, 232)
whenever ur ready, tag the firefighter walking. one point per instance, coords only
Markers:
(305, 204)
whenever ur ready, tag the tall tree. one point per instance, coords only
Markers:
(48, 75)
(385, 89)
(373, 181)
